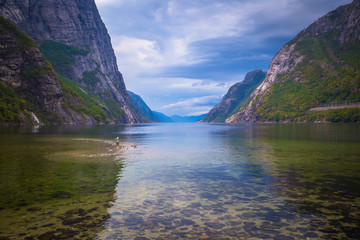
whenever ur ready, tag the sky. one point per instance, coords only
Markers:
(181, 56)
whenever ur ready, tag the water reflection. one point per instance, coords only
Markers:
(316, 168)
(56, 183)
(182, 181)
(248, 181)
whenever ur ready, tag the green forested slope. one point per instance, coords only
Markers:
(328, 72)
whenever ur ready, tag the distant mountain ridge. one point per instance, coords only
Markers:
(139, 104)
(320, 65)
(187, 119)
(235, 97)
(162, 117)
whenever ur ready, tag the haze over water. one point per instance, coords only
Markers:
(181, 181)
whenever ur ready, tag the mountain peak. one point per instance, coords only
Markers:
(236, 95)
(318, 66)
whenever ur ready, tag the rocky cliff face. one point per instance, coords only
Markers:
(76, 23)
(235, 97)
(318, 66)
(37, 91)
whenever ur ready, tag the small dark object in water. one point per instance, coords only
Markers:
(71, 221)
(141, 238)
(34, 209)
(46, 236)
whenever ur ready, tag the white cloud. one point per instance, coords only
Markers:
(183, 85)
(137, 56)
(186, 96)
(108, 2)
(142, 52)
(164, 48)
(193, 106)
(167, 32)
(193, 102)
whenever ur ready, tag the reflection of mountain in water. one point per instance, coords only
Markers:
(56, 186)
(312, 166)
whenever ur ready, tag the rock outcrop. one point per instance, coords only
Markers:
(24, 69)
(319, 65)
(77, 23)
(235, 97)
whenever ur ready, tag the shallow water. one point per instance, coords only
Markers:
(181, 181)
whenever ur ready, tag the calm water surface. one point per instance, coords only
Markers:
(181, 181)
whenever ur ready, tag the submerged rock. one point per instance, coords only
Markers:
(187, 222)
(76, 211)
(45, 236)
(71, 221)
(68, 234)
(215, 225)
(133, 220)
(34, 209)
(141, 238)
(194, 205)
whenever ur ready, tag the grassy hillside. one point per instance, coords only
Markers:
(329, 73)
(80, 101)
(16, 106)
(10, 105)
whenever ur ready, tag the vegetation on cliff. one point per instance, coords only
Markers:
(89, 102)
(77, 44)
(29, 85)
(61, 56)
(23, 40)
(16, 104)
(10, 105)
(81, 101)
(328, 72)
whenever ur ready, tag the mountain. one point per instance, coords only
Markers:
(72, 36)
(235, 97)
(139, 104)
(30, 91)
(320, 66)
(188, 119)
(162, 117)
(141, 107)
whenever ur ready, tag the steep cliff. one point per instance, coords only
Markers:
(30, 90)
(235, 97)
(76, 23)
(138, 103)
(320, 65)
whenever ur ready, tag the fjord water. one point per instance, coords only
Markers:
(181, 181)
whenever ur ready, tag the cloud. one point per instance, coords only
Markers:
(198, 101)
(136, 56)
(162, 94)
(170, 51)
(108, 2)
(193, 106)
